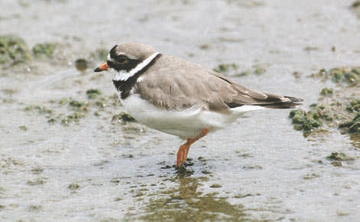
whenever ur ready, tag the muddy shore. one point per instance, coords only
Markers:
(69, 153)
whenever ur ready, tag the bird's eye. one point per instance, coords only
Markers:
(121, 59)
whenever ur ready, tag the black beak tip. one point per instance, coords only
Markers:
(97, 69)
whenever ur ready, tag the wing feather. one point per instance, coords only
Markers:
(167, 85)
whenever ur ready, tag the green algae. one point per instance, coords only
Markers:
(37, 170)
(93, 93)
(227, 68)
(77, 104)
(75, 110)
(38, 181)
(338, 156)
(73, 186)
(327, 92)
(76, 116)
(311, 176)
(353, 106)
(216, 185)
(308, 121)
(40, 109)
(340, 111)
(233, 69)
(319, 115)
(347, 75)
(79, 109)
(44, 50)
(352, 126)
(13, 49)
(123, 117)
(355, 140)
(23, 128)
(259, 69)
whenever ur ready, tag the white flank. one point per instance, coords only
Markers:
(186, 123)
(246, 108)
(124, 75)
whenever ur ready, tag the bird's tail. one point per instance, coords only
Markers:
(280, 102)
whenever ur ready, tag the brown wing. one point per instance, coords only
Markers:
(254, 97)
(173, 83)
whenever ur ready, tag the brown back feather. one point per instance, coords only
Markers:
(176, 84)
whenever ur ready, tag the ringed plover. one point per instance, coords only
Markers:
(179, 97)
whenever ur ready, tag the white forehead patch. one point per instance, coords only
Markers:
(125, 75)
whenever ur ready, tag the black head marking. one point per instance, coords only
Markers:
(125, 86)
(121, 61)
(113, 51)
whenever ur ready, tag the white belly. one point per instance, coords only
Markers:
(186, 123)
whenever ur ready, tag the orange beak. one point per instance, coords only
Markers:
(101, 68)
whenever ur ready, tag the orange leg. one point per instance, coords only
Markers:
(184, 149)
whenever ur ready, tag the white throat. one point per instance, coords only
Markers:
(125, 75)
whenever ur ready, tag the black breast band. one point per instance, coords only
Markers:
(125, 86)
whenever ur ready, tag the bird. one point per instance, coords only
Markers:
(179, 97)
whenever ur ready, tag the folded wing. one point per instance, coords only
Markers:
(166, 86)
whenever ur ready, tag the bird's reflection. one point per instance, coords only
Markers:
(186, 203)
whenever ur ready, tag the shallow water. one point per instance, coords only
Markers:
(259, 169)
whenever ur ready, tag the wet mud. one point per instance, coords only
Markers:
(68, 152)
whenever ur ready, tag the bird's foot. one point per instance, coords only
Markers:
(182, 155)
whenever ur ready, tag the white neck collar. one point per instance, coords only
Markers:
(124, 75)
